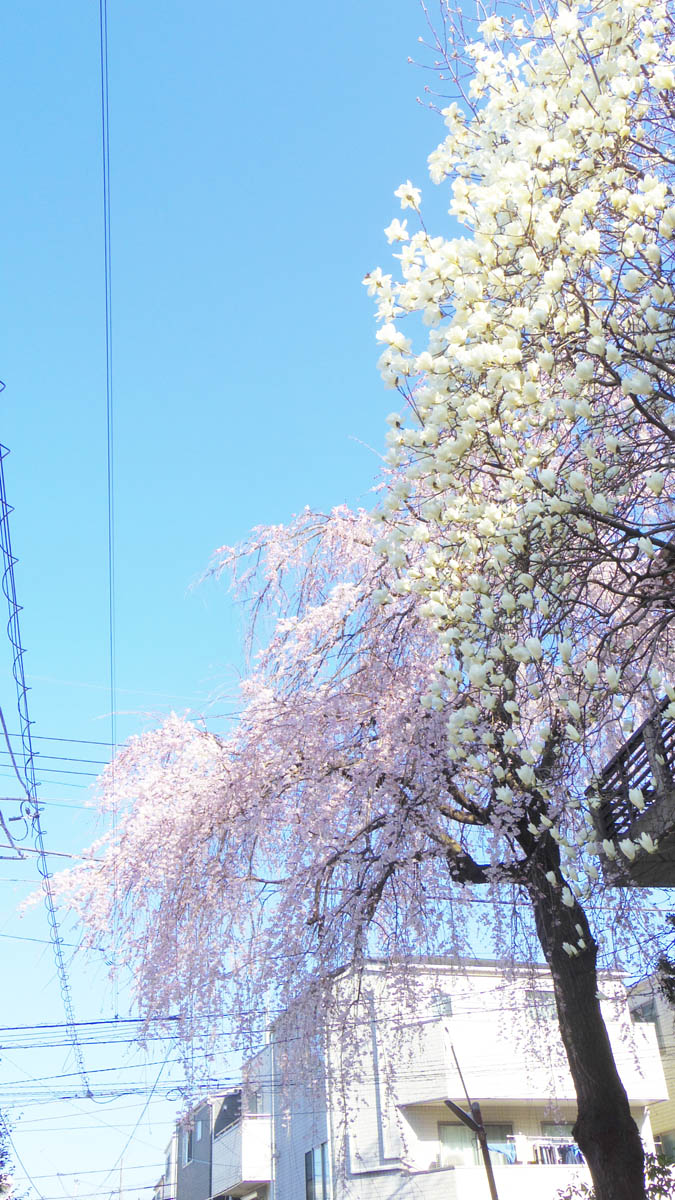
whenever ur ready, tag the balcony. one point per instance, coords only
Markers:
(527, 1168)
(645, 761)
(242, 1156)
(516, 1182)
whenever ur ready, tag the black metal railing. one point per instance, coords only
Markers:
(645, 761)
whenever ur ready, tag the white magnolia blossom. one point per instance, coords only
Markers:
(537, 461)
(648, 843)
(636, 797)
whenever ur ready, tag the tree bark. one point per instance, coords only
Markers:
(605, 1130)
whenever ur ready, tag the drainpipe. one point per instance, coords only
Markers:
(273, 1139)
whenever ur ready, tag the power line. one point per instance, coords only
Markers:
(102, 762)
(53, 782)
(61, 771)
(100, 1170)
(110, 412)
(140, 1118)
(75, 741)
(135, 1187)
(99, 762)
(110, 425)
(85, 809)
(17, 1156)
(15, 937)
(41, 852)
(28, 781)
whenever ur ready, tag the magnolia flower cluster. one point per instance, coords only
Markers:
(536, 470)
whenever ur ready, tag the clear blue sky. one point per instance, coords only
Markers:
(255, 152)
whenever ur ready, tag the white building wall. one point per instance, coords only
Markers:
(507, 1047)
(298, 1127)
(242, 1154)
(381, 1115)
(300, 1111)
(663, 1113)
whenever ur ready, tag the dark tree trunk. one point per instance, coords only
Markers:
(605, 1130)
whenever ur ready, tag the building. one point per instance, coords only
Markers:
(650, 1007)
(383, 1132)
(165, 1188)
(242, 1136)
(376, 1126)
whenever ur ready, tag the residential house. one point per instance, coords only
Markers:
(649, 1006)
(165, 1188)
(242, 1136)
(373, 1124)
(223, 1146)
(382, 1131)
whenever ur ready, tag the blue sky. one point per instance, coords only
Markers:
(254, 156)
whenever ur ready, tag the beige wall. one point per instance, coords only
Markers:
(662, 1114)
(380, 1116)
(506, 1049)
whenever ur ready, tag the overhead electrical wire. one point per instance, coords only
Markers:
(110, 414)
(141, 1115)
(101, 1170)
(99, 762)
(41, 737)
(110, 424)
(8, 1135)
(27, 776)
(63, 771)
(84, 808)
(135, 1187)
(15, 937)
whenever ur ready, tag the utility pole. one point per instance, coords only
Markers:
(475, 1124)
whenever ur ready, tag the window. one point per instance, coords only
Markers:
(186, 1142)
(230, 1111)
(442, 1004)
(199, 1129)
(460, 1148)
(501, 1149)
(668, 1144)
(557, 1129)
(542, 1004)
(645, 1012)
(316, 1173)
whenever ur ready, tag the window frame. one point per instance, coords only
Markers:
(467, 1134)
(505, 1128)
(442, 1004)
(548, 1127)
(187, 1147)
(317, 1174)
(541, 1003)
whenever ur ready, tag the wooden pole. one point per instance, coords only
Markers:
(475, 1124)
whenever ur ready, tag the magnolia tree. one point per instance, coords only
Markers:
(440, 680)
(538, 456)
